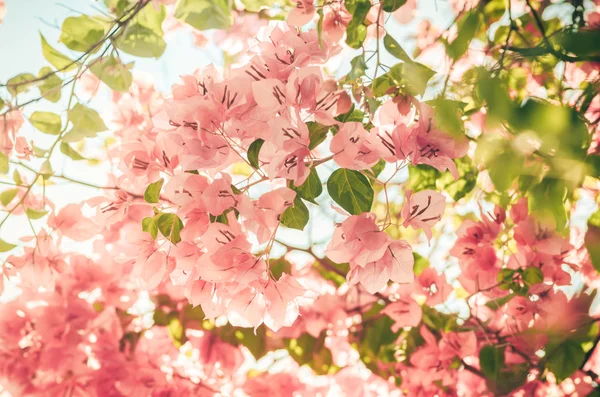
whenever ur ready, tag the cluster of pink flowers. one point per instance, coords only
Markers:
(182, 242)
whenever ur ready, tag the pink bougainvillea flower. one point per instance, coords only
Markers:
(335, 20)
(405, 311)
(112, 207)
(262, 216)
(72, 224)
(353, 147)
(396, 265)
(302, 14)
(219, 196)
(434, 286)
(358, 240)
(424, 143)
(423, 210)
(23, 148)
(283, 299)
(373, 257)
(10, 123)
(290, 166)
(458, 344)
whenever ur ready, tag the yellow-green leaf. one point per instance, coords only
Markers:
(47, 122)
(204, 14)
(51, 85)
(87, 123)
(35, 214)
(152, 193)
(113, 73)
(68, 151)
(82, 33)
(143, 37)
(7, 196)
(20, 83)
(5, 247)
(59, 61)
(3, 163)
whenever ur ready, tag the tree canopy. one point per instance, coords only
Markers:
(357, 198)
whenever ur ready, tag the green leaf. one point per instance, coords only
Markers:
(395, 49)
(59, 61)
(491, 361)
(38, 152)
(422, 177)
(35, 214)
(3, 163)
(143, 37)
(494, 93)
(311, 188)
(296, 216)
(68, 151)
(565, 360)
(509, 379)
(497, 303)
(82, 33)
(351, 190)
(579, 42)
(20, 83)
(204, 14)
(392, 5)
(170, 227)
(417, 76)
(547, 201)
(5, 247)
(356, 31)
(51, 85)
(351, 115)
(421, 263)
(504, 169)
(308, 350)
(256, 5)
(382, 84)
(379, 334)
(279, 266)
(152, 193)
(7, 196)
(17, 178)
(117, 7)
(448, 116)
(176, 330)
(467, 179)
(113, 73)
(560, 128)
(327, 274)
(87, 123)
(317, 133)
(378, 168)
(592, 239)
(438, 320)
(467, 28)
(320, 26)
(150, 225)
(47, 122)
(46, 169)
(358, 67)
(253, 151)
(2, 103)
(533, 275)
(161, 318)
(255, 343)
(193, 317)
